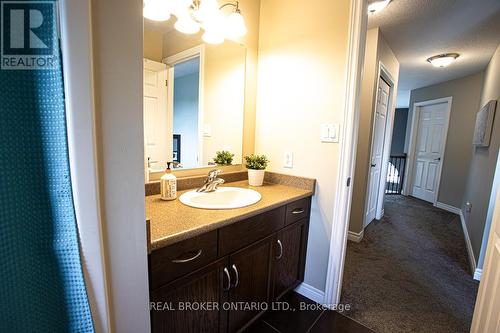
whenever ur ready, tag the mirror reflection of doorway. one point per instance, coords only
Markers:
(186, 112)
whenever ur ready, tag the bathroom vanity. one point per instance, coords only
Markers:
(218, 270)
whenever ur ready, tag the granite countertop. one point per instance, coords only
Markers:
(172, 221)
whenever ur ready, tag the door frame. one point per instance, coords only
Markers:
(171, 61)
(358, 21)
(384, 74)
(408, 181)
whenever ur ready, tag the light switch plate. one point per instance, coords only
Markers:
(329, 133)
(288, 160)
(207, 130)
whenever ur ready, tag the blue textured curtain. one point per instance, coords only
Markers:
(41, 282)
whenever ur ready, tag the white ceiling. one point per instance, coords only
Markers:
(418, 29)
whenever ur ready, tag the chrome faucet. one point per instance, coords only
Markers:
(212, 182)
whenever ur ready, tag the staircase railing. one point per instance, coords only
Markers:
(395, 174)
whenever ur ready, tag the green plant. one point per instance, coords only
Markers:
(223, 157)
(256, 162)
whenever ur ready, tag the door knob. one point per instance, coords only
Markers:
(437, 159)
(374, 165)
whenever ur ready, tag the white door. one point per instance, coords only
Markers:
(381, 111)
(430, 143)
(158, 136)
(487, 311)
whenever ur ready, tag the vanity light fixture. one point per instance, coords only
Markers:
(443, 60)
(192, 15)
(377, 6)
(157, 10)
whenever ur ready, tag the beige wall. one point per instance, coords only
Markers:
(301, 84)
(377, 51)
(465, 93)
(482, 166)
(153, 45)
(223, 100)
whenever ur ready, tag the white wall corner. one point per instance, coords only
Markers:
(449, 208)
(310, 292)
(477, 274)
(355, 237)
(470, 252)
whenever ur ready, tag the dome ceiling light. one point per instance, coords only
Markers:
(193, 15)
(443, 60)
(377, 6)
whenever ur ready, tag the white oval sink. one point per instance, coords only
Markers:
(222, 198)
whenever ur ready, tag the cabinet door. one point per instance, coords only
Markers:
(250, 276)
(289, 258)
(206, 287)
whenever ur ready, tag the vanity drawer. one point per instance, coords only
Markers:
(297, 210)
(181, 258)
(240, 234)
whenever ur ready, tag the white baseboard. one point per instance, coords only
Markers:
(470, 252)
(449, 208)
(478, 273)
(310, 292)
(355, 237)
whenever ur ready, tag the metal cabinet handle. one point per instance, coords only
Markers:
(237, 276)
(298, 211)
(281, 250)
(181, 261)
(226, 271)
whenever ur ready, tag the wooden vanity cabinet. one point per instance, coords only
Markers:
(289, 257)
(169, 304)
(259, 260)
(251, 281)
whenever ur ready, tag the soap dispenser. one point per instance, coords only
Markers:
(168, 184)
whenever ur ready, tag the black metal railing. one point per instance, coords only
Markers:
(395, 174)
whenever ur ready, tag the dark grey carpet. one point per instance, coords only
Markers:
(410, 272)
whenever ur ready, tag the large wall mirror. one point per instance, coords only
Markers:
(193, 101)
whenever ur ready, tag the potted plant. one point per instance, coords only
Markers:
(256, 165)
(223, 158)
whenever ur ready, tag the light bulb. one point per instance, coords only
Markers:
(213, 37)
(187, 25)
(236, 27)
(157, 10)
(208, 10)
(180, 7)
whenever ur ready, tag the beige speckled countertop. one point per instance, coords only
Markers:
(172, 221)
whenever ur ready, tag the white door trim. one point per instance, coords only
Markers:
(383, 73)
(408, 182)
(342, 206)
(197, 51)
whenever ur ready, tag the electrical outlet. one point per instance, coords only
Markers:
(288, 161)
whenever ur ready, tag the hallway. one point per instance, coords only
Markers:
(410, 272)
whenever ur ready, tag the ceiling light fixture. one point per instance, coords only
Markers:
(192, 15)
(443, 60)
(377, 6)
(157, 10)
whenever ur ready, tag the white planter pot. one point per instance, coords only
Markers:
(255, 177)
